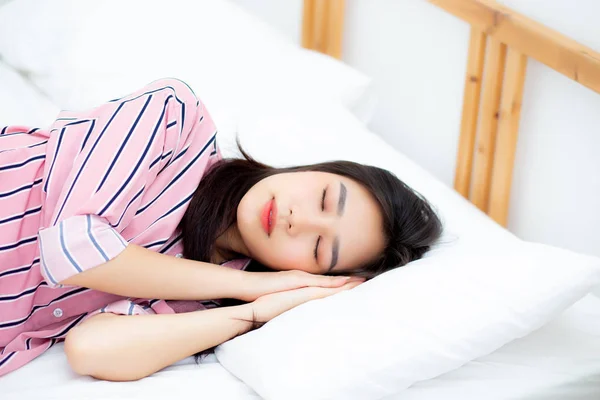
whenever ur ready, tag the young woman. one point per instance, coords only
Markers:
(121, 229)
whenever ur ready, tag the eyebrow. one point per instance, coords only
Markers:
(342, 200)
(335, 250)
(334, 253)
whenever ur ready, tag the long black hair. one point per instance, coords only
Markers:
(410, 224)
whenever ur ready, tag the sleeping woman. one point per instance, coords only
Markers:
(124, 233)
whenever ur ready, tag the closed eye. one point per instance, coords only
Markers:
(316, 252)
(317, 248)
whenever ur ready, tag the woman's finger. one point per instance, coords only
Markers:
(331, 281)
(354, 282)
(351, 284)
(343, 280)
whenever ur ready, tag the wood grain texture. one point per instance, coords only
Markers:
(508, 130)
(335, 28)
(323, 26)
(489, 131)
(488, 124)
(308, 23)
(470, 112)
(530, 38)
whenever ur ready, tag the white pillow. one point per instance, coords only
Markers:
(335, 348)
(21, 103)
(558, 362)
(410, 324)
(68, 46)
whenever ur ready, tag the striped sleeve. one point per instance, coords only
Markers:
(121, 148)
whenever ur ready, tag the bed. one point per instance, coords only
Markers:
(262, 88)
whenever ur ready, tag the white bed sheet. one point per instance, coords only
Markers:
(559, 361)
(184, 380)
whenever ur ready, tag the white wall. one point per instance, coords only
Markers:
(284, 15)
(417, 55)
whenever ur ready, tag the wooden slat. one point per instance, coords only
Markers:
(322, 26)
(508, 128)
(335, 28)
(492, 89)
(321, 16)
(308, 23)
(529, 37)
(468, 128)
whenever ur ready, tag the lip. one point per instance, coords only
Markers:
(268, 216)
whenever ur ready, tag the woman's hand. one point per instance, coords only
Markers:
(257, 284)
(271, 305)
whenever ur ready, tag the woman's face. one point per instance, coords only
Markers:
(311, 221)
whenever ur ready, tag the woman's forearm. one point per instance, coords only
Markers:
(124, 348)
(143, 273)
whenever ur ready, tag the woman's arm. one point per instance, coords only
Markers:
(139, 272)
(126, 348)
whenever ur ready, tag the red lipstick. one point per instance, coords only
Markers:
(268, 216)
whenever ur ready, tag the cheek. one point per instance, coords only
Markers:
(246, 216)
(284, 254)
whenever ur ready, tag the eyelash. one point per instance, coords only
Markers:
(322, 209)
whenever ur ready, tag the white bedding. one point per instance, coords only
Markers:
(185, 380)
(555, 363)
(560, 361)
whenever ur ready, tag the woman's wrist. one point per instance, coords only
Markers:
(231, 284)
(242, 316)
(247, 286)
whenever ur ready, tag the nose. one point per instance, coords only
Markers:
(296, 222)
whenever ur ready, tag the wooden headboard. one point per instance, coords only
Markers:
(492, 101)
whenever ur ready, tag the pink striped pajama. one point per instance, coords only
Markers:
(74, 195)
